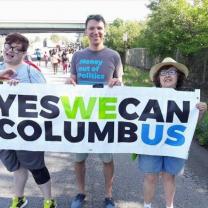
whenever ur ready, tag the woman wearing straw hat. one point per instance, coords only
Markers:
(167, 74)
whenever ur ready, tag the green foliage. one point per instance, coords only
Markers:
(176, 25)
(136, 77)
(202, 131)
(116, 30)
(153, 5)
(85, 41)
(55, 38)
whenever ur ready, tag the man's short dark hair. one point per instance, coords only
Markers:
(96, 17)
(18, 38)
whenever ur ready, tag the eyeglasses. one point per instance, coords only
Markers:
(14, 49)
(170, 71)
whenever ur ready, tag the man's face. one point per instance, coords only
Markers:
(95, 32)
(13, 53)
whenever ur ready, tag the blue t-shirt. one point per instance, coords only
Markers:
(95, 67)
(26, 73)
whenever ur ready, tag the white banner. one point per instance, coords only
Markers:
(64, 118)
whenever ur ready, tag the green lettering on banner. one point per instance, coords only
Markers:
(104, 106)
(71, 111)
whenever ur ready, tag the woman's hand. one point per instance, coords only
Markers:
(202, 107)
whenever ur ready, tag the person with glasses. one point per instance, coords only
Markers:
(94, 65)
(22, 162)
(167, 74)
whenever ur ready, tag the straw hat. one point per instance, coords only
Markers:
(168, 61)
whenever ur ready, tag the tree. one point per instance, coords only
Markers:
(153, 5)
(55, 38)
(116, 30)
(176, 25)
(84, 41)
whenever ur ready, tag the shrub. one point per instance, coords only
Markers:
(202, 131)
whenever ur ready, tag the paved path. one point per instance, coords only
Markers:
(192, 188)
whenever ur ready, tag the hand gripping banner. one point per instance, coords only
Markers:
(64, 118)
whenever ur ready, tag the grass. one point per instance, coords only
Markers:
(136, 77)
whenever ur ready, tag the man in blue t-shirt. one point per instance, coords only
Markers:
(95, 65)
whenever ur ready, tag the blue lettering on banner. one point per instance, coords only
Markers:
(158, 134)
(174, 132)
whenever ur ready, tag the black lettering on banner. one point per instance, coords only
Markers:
(126, 132)
(3, 133)
(24, 106)
(49, 132)
(37, 131)
(182, 115)
(5, 105)
(157, 114)
(95, 130)
(123, 105)
(80, 132)
(46, 102)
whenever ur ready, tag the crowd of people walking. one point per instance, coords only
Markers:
(167, 74)
(60, 58)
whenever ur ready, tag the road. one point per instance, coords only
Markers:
(192, 187)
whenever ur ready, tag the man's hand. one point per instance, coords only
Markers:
(114, 82)
(70, 80)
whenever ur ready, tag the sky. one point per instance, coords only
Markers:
(72, 10)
